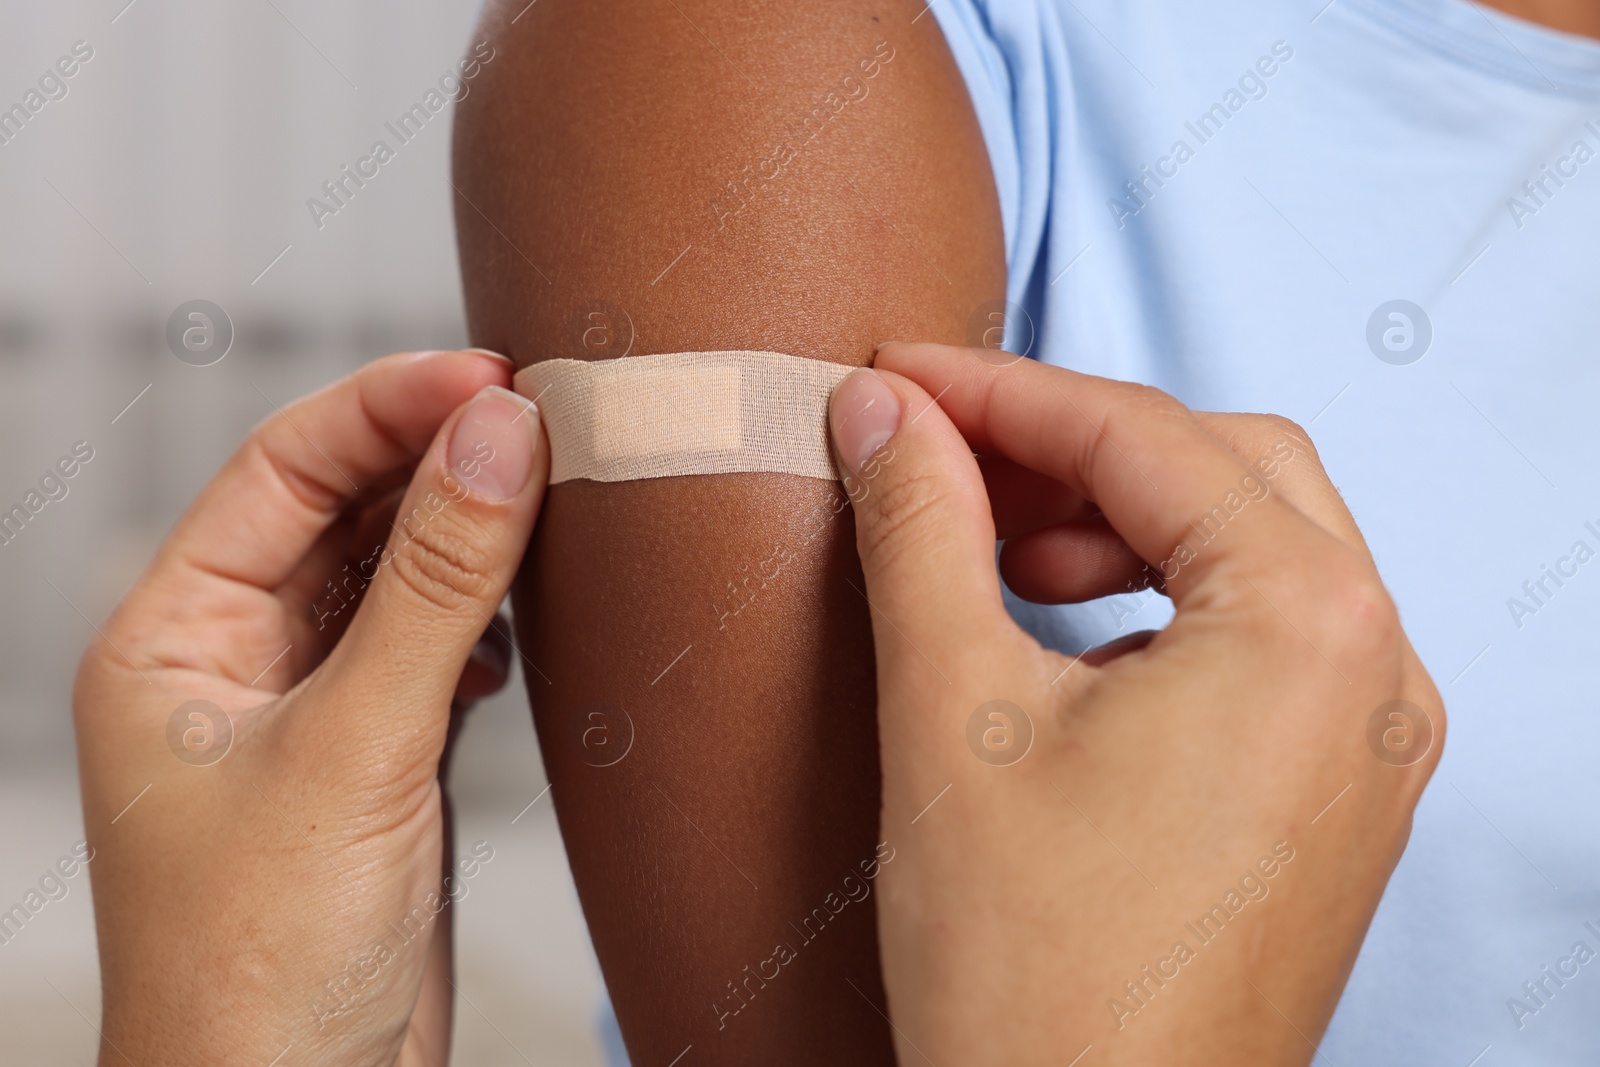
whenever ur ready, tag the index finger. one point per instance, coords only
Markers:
(300, 468)
(1170, 488)
(1306, 486)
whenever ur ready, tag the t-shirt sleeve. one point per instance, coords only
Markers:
(1013, 57)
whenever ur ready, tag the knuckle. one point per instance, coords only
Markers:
(1129, 416)
(98, 672)
(1271, 428)
(440, 562)
(1148, 400)
(899, 514)
(1360, 618)
(1260, 437)
(1278, 429)
(1441, 728)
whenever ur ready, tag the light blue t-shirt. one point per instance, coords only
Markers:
(1226, 200)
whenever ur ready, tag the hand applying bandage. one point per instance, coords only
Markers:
(1167, 850)
(262, 726)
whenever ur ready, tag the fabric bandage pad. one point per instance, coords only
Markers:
(618, 420)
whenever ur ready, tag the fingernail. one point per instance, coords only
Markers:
(496, 355)
(491, 448)
(864, 413)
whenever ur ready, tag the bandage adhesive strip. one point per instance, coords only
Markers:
(618, 420)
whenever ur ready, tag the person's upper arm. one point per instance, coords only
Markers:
(704, 175)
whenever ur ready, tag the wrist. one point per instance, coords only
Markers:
(243, 1018)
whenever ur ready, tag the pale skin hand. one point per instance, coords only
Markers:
(1228, 754)
(240, 905)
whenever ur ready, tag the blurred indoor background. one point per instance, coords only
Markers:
(177, 166)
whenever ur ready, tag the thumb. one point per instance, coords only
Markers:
(455, 544)
(923, 525)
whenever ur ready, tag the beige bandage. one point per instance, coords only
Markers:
(617, 420)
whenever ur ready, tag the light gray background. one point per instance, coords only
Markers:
(178, 167)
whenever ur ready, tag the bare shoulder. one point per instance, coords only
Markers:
(802, 177)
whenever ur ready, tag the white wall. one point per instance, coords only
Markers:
(177, 167)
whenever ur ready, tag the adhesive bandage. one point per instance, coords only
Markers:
(618, 420)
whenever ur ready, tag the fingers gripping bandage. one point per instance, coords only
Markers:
(617, 420)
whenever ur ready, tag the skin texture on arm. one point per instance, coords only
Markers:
(1570, 16)
(685, 175)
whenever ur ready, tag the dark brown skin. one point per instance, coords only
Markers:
(1571, 16)
(594, 148)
